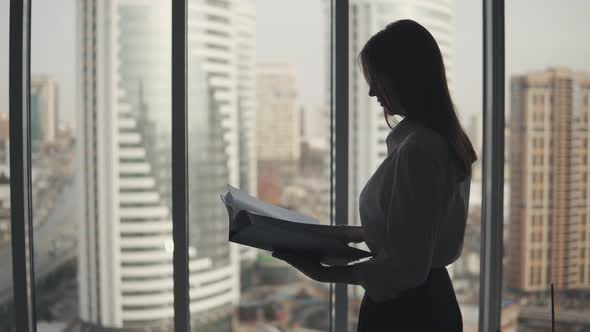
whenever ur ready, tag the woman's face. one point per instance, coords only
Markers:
(392, 107)
(373, 93)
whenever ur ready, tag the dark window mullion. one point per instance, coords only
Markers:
(493, 166)
(179, 166)
(20, 166)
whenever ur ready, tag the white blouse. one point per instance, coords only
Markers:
(413, 211)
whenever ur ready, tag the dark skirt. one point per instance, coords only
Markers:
(431, 306)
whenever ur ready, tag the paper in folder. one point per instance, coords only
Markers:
(255, 223)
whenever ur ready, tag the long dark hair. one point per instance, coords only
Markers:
(403, 62)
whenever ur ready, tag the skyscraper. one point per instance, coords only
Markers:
(125, 243)
(278, 132)
(549, 227)
(367, 127)
(279, 114)
(44, 106)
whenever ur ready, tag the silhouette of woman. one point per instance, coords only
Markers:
(413, 209)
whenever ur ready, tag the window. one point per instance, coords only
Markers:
(558, 72)
(264, 128)
(456, 27)
(121, 246)
(101, 171)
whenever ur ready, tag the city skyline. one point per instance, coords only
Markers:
(544, 46)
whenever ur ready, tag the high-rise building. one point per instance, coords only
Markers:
(278, 130)
(125, 244)
(549, 227)
(368, 128)
(44, 110)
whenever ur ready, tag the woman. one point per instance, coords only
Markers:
(413, 209)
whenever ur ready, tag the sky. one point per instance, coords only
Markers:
(539, 33)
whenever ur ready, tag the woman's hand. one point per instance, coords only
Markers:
(308, 265)
(311, 267)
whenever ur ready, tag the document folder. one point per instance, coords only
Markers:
(261, 225)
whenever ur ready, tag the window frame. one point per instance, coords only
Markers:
(490, 295)
(179, 158)
(339, 161)
(20, 166)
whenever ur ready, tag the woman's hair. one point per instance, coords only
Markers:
(404, 65)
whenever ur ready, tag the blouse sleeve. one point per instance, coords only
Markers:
(415, 203)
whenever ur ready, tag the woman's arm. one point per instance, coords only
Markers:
(349, 234)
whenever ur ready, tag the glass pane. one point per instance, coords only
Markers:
(258, 120)
(456, 26)
(547, 225)
(6, 281)
(100, 131)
